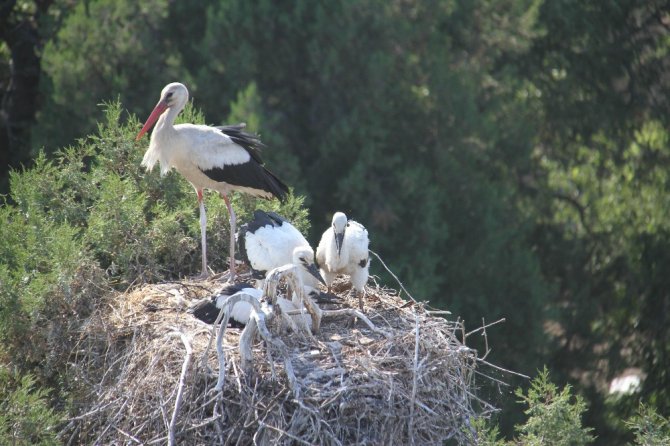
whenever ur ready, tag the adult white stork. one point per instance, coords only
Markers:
(343, 249)
(223, 159)
(208, 310)
(269, 241)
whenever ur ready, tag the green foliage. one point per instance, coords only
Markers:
(44, 274)
(650, 428)
(107, 46)
(25, 415)
(483, 433)
(554, 416)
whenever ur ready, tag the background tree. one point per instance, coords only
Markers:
(20, 40)
(599, 188)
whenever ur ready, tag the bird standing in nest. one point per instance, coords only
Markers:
(343, 249)
(269, 241)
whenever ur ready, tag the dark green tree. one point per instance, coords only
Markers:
(599, 189)
(23, 30)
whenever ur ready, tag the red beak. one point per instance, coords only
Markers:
(153, 117)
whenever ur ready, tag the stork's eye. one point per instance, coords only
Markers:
(169, 95)
(302, 259)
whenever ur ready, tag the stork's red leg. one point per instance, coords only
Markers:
(231, 213)
(203, 234)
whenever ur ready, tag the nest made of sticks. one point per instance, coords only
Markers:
(148, 376)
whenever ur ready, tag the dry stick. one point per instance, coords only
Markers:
(127, 435)
(415, 378)
(180, 387)
(282, 432)
(279, 345)
(394, 276)
(289, 272)
(246, 342)
(486, 341)
(358, 314)
(502, 369)
(225, 315)
(222, 327)
(483, 327)
(91, 412)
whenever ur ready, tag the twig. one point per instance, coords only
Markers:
(394, 276)
(282, 432)
(415, 377)
(180, 387)
(486, 340)
(502, 369)
(127, 435)
(355, 313)
(483, 327)
(91, 412)
(289, 273)
(279, 345)
(225, 315)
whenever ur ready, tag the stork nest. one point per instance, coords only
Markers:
(148, 376)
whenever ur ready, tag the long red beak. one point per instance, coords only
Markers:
(153, 117)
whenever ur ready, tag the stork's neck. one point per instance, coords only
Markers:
(165, 123)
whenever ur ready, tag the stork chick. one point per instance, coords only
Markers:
(208, 310)
(343, 249)
(270, 241)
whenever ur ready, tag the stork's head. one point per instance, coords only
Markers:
(339, 226)
(312, 293)
(174, 95)
(320, 297)
(303, 258)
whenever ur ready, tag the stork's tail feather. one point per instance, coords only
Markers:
(276, 186)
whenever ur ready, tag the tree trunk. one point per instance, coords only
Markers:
(18, 104)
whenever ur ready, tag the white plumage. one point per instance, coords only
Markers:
(270, 241)
(343, 249)
(209, 309)
(224, 159)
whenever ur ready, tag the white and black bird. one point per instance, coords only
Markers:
(343, 249)
(223, 159)
(208, 310)
(269, 241)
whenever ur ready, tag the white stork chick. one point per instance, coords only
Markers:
(224, 159)
(270, 241)
(208, 310)
(343, 249)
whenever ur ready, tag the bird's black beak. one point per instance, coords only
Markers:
(325, 298)
(339, 238)
(313, 270)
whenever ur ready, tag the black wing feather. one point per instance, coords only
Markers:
(207, 310)
(251, 143)
(250, 174)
